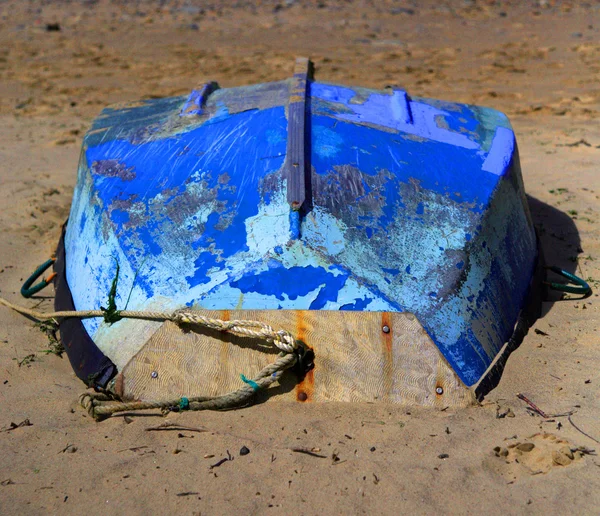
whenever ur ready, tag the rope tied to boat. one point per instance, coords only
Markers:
(282, 339)
(101, 405)
(104, 403)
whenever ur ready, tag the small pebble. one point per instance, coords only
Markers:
(373, 448)
(565, 450)
(443, 456)
(500, 451)
(525, 447)
(244, 451)
(560, 458)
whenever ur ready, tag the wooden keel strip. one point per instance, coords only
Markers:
(296, 145)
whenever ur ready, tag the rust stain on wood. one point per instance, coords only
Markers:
(386, 322)
(305, 388)
(387, 331)
(119, 385)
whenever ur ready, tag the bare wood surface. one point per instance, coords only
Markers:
(355, 360)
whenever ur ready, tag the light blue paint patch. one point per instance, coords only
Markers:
(332, 93)
(326, 142)
(193, 105)
(395, 112)
(220, 115)
(324, 232)
(501, 153)
(381, 109)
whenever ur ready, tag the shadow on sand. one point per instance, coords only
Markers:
(559, 244)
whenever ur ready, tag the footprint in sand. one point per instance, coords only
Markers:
(539, 453)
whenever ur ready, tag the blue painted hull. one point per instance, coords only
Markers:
(414, 205)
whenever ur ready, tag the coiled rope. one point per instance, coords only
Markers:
(103, 404)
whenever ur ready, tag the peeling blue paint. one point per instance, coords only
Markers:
(359, 304)
(414, 207)
(291, 283)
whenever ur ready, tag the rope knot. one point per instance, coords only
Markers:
(89, 401)
(285, 341)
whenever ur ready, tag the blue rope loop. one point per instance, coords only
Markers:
(27, 290)
(251, 383)
(574, 285)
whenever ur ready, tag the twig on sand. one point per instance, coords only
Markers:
(538, 410)
(14, 426)
(134, 449)
(222, 461)
(581, 431)
(174, 426)
(533, 406)
(309, 451)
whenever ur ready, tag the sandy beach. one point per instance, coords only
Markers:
(538, 61)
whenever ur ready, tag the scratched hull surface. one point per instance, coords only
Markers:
(414, 205)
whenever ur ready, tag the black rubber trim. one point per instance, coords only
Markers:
(529, 314)
(89, 363)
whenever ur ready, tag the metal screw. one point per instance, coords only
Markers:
(439, 390)
(154, 374)
(386, 329)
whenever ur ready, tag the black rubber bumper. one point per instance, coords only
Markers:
(88, 362)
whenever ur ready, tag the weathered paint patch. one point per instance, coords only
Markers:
(393, 111)
(450, 171)
(326, 142)
(424, 215)
(113, 168)
(501, 152)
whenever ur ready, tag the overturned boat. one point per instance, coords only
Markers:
(390, 234)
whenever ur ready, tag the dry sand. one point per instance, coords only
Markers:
(537, 61)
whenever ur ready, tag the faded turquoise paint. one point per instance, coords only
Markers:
(415, 205)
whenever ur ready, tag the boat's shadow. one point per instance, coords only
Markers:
(560, 244)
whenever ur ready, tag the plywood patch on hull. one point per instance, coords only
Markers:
(356, 359)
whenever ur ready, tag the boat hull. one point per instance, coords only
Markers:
(412, 206)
